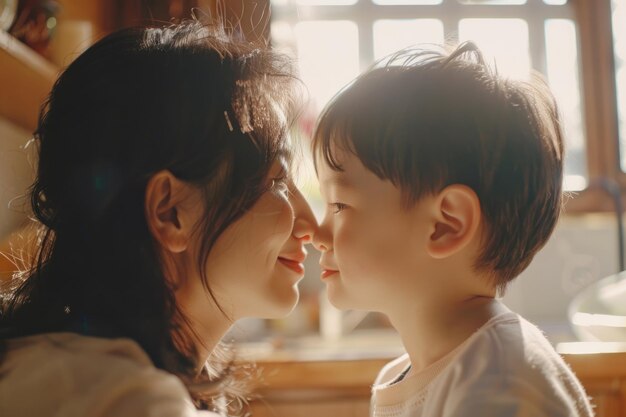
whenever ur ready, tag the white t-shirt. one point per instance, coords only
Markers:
(68, 375)
(507, 368)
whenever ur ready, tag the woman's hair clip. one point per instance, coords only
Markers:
(228, 122)
(245, 128)
(249, 131)
(250, 55)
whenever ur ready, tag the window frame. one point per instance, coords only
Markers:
(599, 106)
(596, 67)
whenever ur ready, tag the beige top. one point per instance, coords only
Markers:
(507, 368)
(68, 375)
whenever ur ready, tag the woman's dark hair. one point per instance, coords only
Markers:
(187, 98)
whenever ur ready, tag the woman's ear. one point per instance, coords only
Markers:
(169, 214)
(456, 220)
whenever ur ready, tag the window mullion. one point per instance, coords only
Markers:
(364, 16)
(536, 36)
(450, 16)
(597, 80)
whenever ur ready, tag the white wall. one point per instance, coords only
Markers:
(582, 250)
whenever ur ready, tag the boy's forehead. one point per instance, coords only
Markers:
(335, 179)
(351, 175)
(327, 174)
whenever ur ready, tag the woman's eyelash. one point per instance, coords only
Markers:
(338, 207)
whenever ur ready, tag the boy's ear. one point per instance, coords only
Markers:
(457, 216)
(169, 215)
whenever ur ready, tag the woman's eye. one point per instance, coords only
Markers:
(280, 185)
(338, 207)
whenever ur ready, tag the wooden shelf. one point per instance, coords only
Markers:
(25, 81)
(343, 387)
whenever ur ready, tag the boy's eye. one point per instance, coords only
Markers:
(280, 185)
(338, 207)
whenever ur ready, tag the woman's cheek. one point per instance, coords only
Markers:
(282, 222)
(276, 218)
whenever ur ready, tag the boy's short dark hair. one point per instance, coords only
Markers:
(427, 119)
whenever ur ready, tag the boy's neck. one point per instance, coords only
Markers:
(430, 332)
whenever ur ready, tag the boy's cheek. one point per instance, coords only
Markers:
(351, 249)
(345, 233)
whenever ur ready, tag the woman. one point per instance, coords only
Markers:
(166, 213)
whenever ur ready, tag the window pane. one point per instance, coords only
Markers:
(492, 1)
(393, 35)
(619, 45)
(328, 54)
(504, 43)
(562, 66)
(396, 2)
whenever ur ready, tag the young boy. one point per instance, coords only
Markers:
(443, 180)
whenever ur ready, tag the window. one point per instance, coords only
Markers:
(618, 18)
(336, 39)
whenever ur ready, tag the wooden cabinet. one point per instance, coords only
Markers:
(25, 81)
(315, 388)
(342, 388)
(604, 377)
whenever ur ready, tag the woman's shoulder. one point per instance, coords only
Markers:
(66, 343)
(72, 355)
(74, 375)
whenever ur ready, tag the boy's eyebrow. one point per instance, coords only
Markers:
(338, 181)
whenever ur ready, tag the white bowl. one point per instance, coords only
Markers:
(598, 313)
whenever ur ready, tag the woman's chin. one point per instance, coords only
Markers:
(282, 305)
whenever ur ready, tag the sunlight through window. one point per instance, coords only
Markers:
(562, 65)
(331, 53)
(328, 54)
(619, 38)
(393, 35)
(504, 43)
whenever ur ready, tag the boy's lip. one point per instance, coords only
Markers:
(328, 272)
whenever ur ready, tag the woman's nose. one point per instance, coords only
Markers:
(305, 225)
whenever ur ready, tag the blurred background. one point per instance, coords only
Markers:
(570, 290)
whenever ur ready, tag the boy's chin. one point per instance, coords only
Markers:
(342, 302)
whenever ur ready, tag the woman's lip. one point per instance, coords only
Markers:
(328, 272)
(293, 265)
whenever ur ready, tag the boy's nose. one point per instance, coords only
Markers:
(322, 239)
(305, 225)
